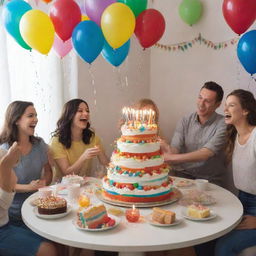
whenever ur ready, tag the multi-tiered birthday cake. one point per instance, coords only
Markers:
(137, 172)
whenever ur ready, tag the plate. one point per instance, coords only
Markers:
(185, 215)
(52, 216)
(171, 200)
(186, 201)
(183, 183)
(154, 223)
(118, 220)
(62, 192)
(33, 201)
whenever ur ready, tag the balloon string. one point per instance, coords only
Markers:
(33, 62)
(93, 85)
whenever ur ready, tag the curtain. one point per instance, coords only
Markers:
(46, 80)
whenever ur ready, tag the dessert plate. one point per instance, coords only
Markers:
(62, 192)
(52, 216)
(117, 221)
(185, 215)
(195, 196)
(155, 223)
(183, 183)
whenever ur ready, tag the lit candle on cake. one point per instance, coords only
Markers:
(132, 215)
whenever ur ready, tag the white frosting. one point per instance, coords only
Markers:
(71, 179)
(146, 179)
(131, 132)
(138, 148)
(136, 191)
(135, 163)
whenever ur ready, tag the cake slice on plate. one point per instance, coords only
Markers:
(198, 211)
(94, 217)
(163, 216)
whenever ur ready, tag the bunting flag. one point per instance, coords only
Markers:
(183, 46)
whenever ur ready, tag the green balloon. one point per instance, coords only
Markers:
(190, 11)
(137, 6)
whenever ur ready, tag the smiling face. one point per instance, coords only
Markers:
(206, 104)
(28, 121)
(81, 117)
(234, 113)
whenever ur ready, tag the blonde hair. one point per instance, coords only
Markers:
(142, 103)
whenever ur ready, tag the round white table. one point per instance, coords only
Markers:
(136, 238)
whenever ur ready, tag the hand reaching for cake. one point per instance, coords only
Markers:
(91, 152)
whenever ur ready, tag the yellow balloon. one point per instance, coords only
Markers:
(84, 17)
(37, 30)
(117, 24)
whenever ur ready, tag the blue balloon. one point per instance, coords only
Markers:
(246, 51)
(11, 15)
(115, 56)
(87, 40)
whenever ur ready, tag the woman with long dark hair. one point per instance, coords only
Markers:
(240, 117)
(33, 170)
(74, 143)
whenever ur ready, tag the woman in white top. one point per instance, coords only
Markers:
(240, 117)
(16, 240)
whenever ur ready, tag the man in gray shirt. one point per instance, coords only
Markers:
(197, 144)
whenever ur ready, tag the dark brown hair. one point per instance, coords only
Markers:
(10, 131)
(216, 88)
(248, 103)
(63, 130)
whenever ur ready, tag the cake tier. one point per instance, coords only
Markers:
(150, 189)
(138, 129)
(136, 161)
(153, 179)
(136, 199)
(138, 147)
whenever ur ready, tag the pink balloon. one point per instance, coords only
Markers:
(95, 8)
(62, 48)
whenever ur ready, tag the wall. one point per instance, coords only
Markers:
(107, 89)
(176, 77)
(171, 79)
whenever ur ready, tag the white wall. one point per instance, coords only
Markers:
(176, 77)
(115, 88)
(172, 79)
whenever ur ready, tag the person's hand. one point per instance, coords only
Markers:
(14, 154)
(164, 146)
(91, 152)
(36, 184)
(248, 222)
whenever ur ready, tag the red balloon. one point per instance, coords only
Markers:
(150, 26)
(239, 14)
(65, 15)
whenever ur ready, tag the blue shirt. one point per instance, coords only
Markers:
(29, 168)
